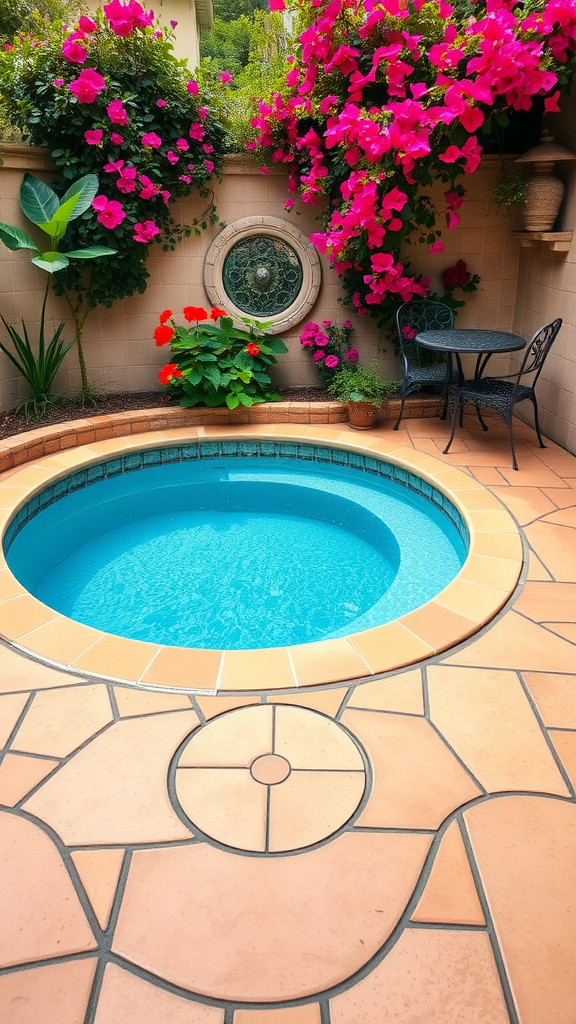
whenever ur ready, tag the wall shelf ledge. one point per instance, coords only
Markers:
(557, 241)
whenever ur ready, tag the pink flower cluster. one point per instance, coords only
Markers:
(393, 143)
(324, 343)
(124, 18)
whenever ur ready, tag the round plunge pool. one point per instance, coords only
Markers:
(237, 545)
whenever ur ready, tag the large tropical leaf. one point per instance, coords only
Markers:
(91, 253)
(38, 200)
(84, 189)
(56, 226)
(15, 238)
(51, 261)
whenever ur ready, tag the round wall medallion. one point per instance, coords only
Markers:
(264, 268)
(298, 777)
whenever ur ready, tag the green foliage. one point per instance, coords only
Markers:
(355, 383)
(38, 369)
(230, 10)
(21, 16)
(217, 367)
(509, 189)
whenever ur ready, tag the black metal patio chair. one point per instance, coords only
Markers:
(502, 393)
(422, 315)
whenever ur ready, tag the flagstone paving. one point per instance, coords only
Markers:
(401, 849)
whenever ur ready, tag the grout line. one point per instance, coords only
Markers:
(557, 760)
(148, 666)
(220, 671)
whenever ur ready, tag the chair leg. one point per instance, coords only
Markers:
(536, 422)
(446, 399)
(482, 424)
(458, 402)
(461, 420)
(397, 424)
(511, 432)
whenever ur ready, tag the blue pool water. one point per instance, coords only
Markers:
(230, 552)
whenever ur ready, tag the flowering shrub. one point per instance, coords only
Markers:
(108, 97)
(329, 346)
(388, 95)
(355, 383)
(215, 362)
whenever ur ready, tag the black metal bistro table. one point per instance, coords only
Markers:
(483, 344)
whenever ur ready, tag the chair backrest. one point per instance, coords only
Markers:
(422, 315)
(537, 350)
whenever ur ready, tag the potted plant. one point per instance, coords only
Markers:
(364, 391)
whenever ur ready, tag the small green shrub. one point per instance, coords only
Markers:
(355, 383)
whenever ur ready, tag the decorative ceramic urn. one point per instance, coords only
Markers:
(544, 192)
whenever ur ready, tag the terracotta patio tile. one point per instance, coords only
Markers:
(532, 473)
(18, 673)
(555, 697)
(212, 706)
(565, 744)
(550, 602)
(225, 803)
(60, 640)
(437, 626)
(21, 614)
(127, 999)
(58, 721)
(402, 692)
(536, 570)
(307, 740)
(417, 781)
(525, 848)
(480, 603)
(42, 916)
(431, 976)
(564, 517)
(19, 774)
(526, 503)
(567, 630)
(390, 646)
(53, 994)
(556, 547)
(486, 717)
(256, 670)
(311, 805)
(327, 661)
(488, 475)
(11, 707)
(309, 1013)
(450, 895)
(133, 701)
(562, 498)
(328, 700)
(233, 740)
(516, 642)
(116, 657)
(114, 790)
(271, 928)
(99, 871)
(180, 666)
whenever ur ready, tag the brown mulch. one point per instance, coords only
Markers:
(15, 423)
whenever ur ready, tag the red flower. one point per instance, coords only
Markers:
(163, 334)
(165, 316)
(456, 276)
(215, 313)
(252, 349)
(168, 371)
(194, 313)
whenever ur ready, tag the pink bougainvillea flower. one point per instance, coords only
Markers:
(182, 145)
(225, 77)
(186, 178)
(173, 23)
(347, 325)
(264, 169)
(74, 51)
(209, 166)
(318, 355)
(116, 139)
(149, 189)
(87, 25)
(190, 167)
(551, 103)
(169, 371)
(57, 81)
(276, 5)
(126, 182)
(165, 195)
(288, 204)
(145, 231)
(197, 132)
(207, 148)
(87, 86)
(437, 247)
(409, 332)
(8, 46)
(151, 139)
(113, 167)
(93, 136)
(352, 355)
(251, 146)
(110, 212)
(160, 103)
(116, 112)
(124, 18)
(192, 87)
(202, 113)
(331, 361)
(321, 339)
(164, 333)
(172, 157)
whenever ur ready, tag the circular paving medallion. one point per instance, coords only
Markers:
(269, 778)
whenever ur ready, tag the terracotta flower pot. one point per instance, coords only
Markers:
(362, 415)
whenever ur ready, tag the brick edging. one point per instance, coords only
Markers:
(33, 444)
